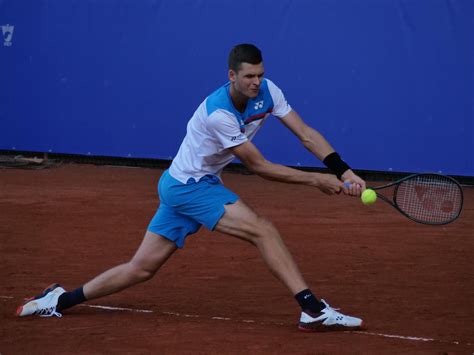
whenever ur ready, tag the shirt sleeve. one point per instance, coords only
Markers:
(281, 108)
(226, 129)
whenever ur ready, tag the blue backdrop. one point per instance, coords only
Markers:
(390, 83)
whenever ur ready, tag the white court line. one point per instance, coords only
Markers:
(401, 337)
(116, 308)
(180, 315)
(5, 297)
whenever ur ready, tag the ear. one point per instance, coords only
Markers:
(232, 75)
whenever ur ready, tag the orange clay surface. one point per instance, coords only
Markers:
(412, 284)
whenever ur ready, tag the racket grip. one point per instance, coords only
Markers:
(347, 184)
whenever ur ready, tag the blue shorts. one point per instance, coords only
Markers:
(185, 207)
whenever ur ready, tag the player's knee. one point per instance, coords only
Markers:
(140, 274)
(264, 230)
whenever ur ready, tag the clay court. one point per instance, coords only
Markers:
(412, 284)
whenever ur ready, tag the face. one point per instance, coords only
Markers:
(248, 79)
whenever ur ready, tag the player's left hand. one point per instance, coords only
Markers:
(353, 184)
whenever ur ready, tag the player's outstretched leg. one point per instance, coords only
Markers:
(241, 222)
(150, 256)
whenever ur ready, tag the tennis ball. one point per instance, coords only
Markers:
(368, 197)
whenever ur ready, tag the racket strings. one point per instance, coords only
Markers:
(430, 198)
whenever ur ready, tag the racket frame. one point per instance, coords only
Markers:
(393, 201)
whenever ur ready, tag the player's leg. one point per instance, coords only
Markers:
(216, 207)
(241, 222)
(166, 232)
(150, 256)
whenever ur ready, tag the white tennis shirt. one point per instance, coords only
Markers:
(217, 126)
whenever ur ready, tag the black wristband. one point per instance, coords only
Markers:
(334, 162)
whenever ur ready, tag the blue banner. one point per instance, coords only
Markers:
(390, 83)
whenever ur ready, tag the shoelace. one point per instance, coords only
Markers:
(337, 315)
(48, 312)
(328, 306)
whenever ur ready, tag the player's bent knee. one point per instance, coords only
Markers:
(144, 275)
(140, 274)
(265, 229)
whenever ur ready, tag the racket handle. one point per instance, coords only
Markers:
(347, 184)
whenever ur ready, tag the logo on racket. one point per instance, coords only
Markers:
(434, 197)
(7, 31)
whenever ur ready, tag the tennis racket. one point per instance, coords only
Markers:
(426, 198)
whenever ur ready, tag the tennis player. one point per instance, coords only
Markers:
(192, 194)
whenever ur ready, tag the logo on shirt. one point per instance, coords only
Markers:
(7, 31)
(258, 104)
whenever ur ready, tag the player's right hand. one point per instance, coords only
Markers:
(329, 184)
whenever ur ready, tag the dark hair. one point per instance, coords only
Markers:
(244, 53)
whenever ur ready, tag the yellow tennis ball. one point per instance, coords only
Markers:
(368, 197)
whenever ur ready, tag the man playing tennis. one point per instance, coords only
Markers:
(192, 194)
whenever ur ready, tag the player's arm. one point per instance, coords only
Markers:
(251, 157)
(320, 147)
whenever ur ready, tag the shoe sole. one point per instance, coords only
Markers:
(45, 291)
(321, 328)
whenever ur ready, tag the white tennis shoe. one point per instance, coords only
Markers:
(328, 319)
(43, 305)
